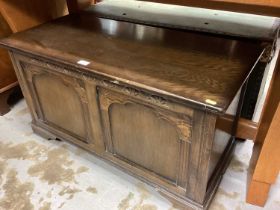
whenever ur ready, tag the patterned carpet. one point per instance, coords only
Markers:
(40, 174)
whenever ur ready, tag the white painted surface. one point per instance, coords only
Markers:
(216, 21)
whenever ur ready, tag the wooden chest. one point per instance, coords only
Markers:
(146, 99)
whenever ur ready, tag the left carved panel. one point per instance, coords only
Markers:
(60, 104)
(60, 101)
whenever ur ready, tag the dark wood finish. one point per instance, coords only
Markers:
(76, 5)
(141, 60)
(260, 7)
(4, 96)
(265, 161)
(72, 6)
(246, 129)
(136, 95)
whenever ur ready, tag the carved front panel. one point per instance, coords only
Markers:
(60, 104)
(147, 136)
(151, 135)
(60, 101)
(143, 137)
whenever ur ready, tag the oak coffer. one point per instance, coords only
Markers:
(147, 99)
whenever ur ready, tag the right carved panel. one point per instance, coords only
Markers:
(146, 136)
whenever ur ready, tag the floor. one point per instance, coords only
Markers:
(47, 175)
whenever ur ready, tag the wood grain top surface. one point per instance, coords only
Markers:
(192, 66)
